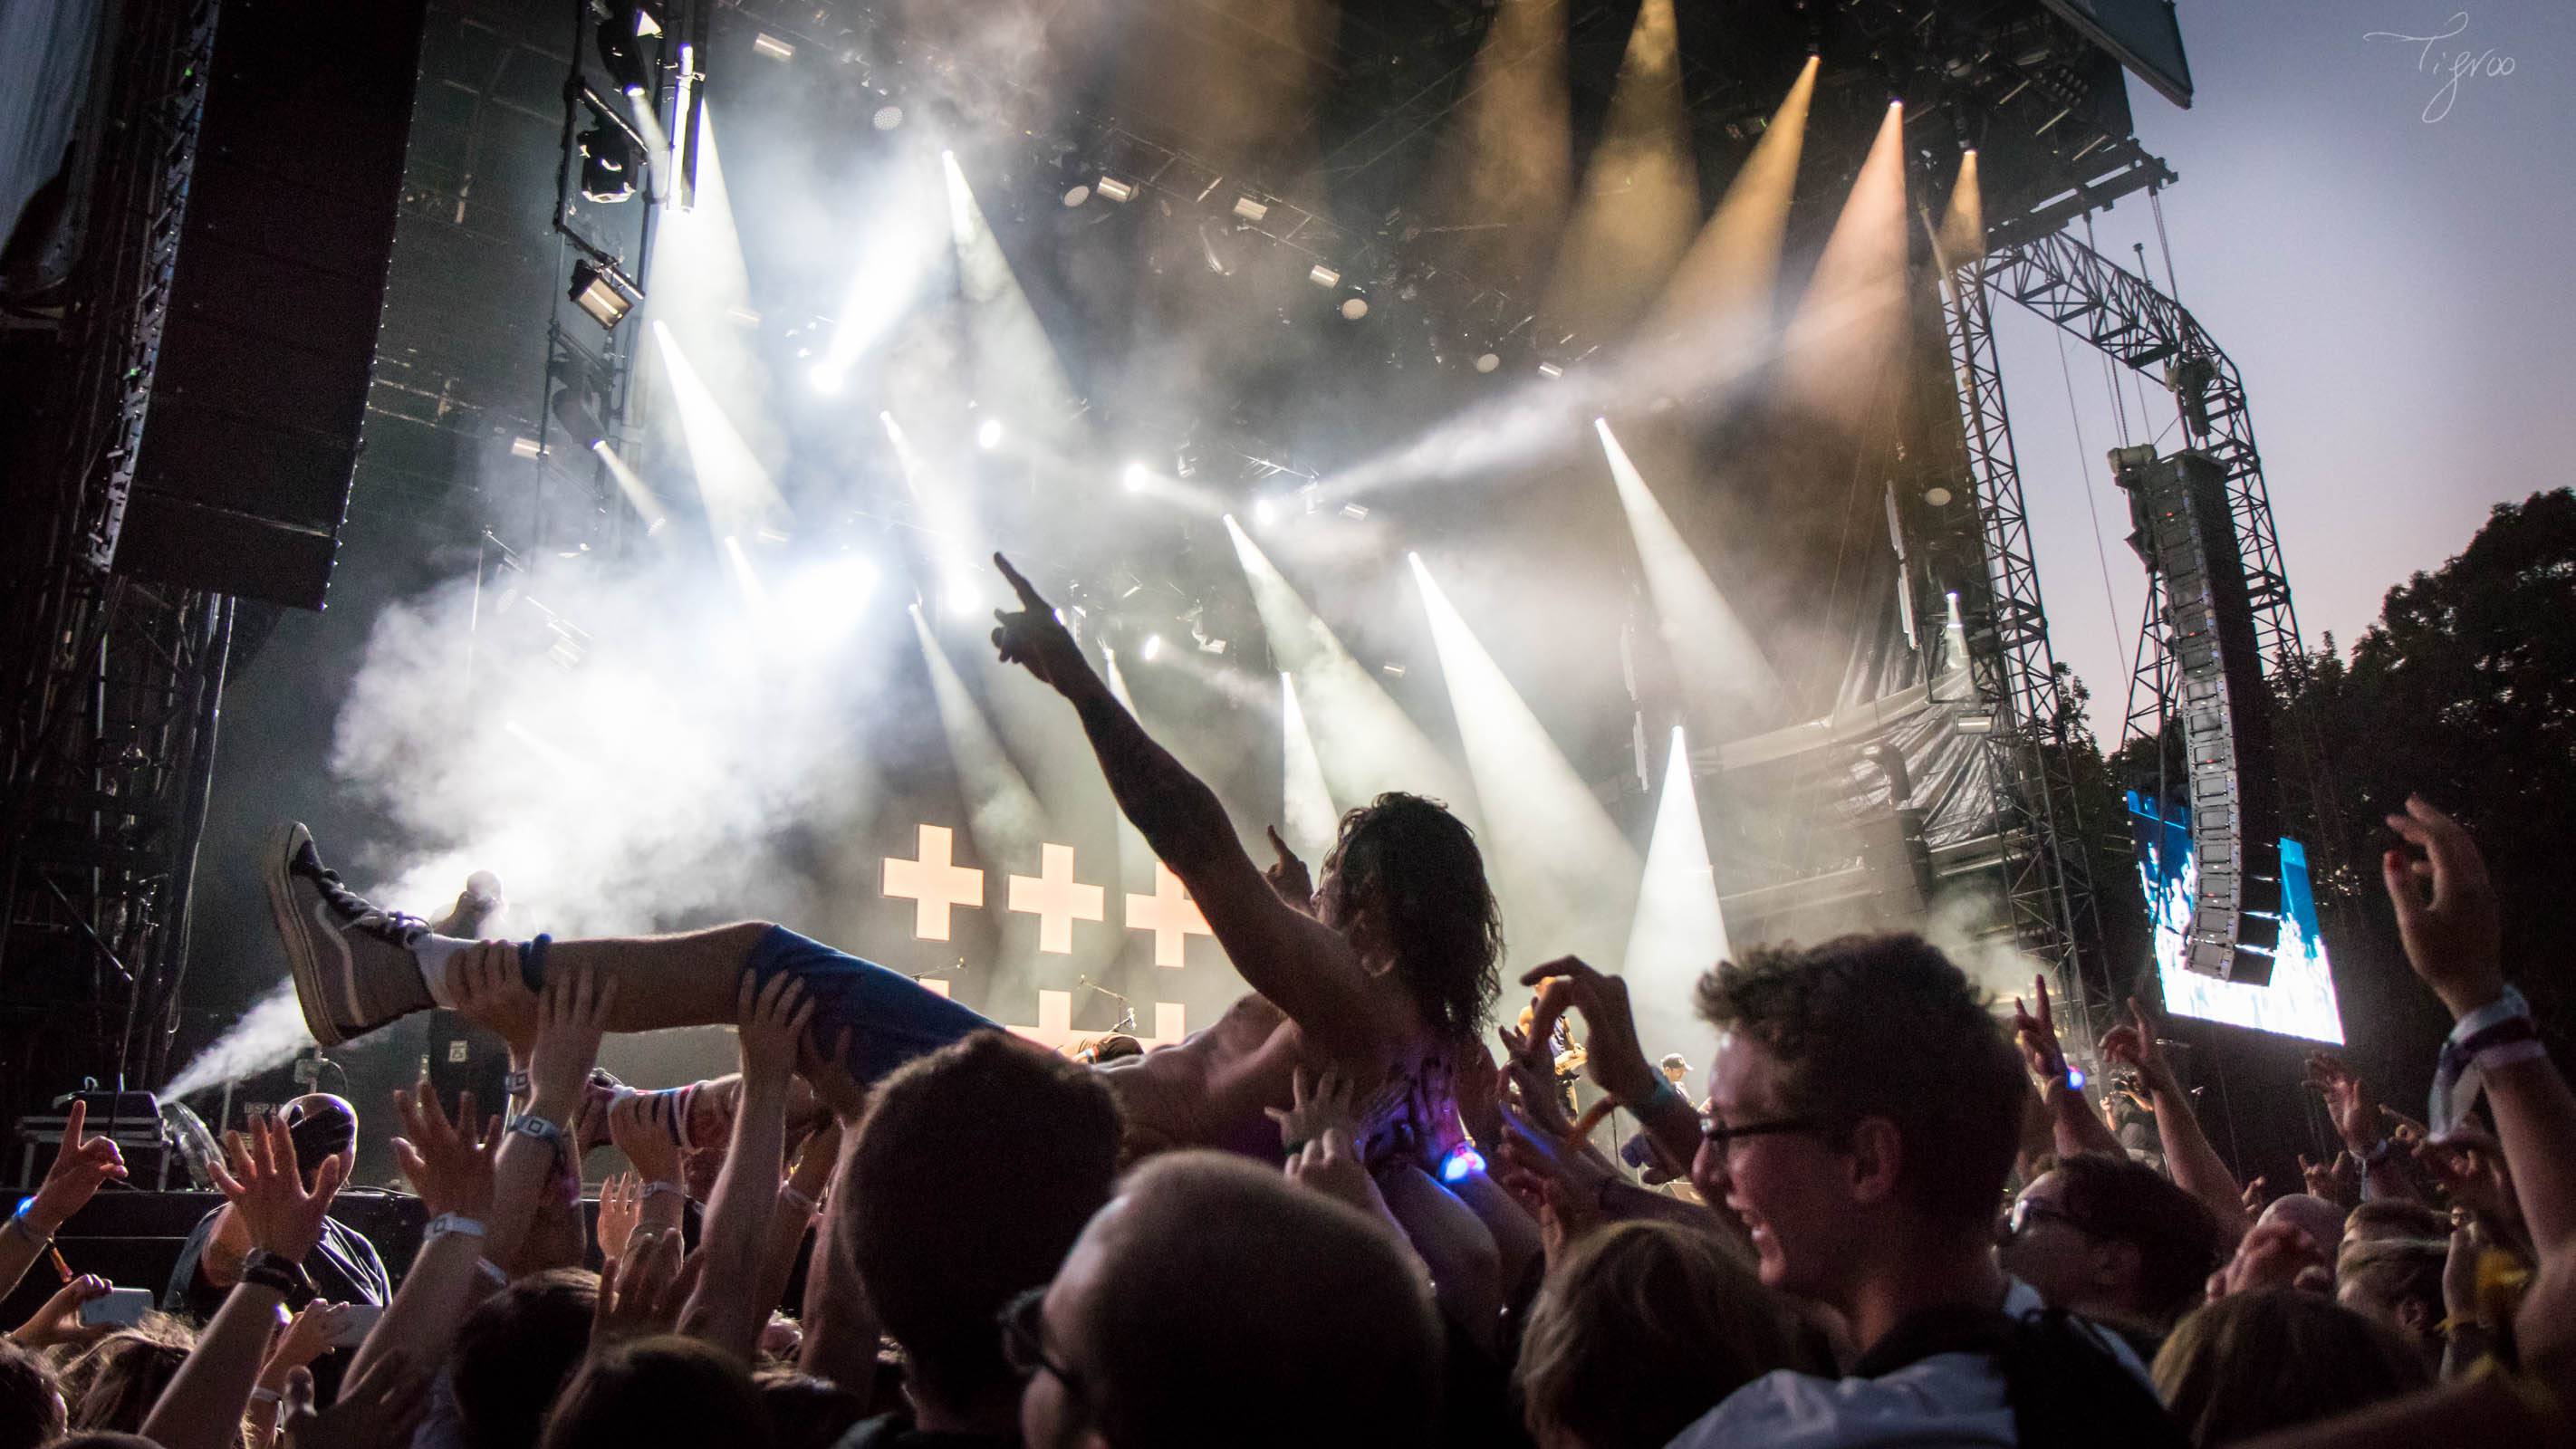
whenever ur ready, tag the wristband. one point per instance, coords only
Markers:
(492, 1270)
(516, 1084)
(657, 1187)
(529, 1124)
(446, 1223)
(802, 1202)
(2494, 1035)
(18, 1221)
(265, 1395)
(270, 1270)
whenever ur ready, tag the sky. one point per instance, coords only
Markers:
(2392, 269)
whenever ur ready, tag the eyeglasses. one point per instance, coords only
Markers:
(1724, 1138)
(1023, 1322)
(2027, 1210)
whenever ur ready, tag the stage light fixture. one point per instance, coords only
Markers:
(1323, 276)
(1550, 370)
(1249, 209)
(524, 447)
(603, 293)
(621, 49)
(1153, 648)
(1116, 190)
(1136, 477)
(1487, 361)
(578, 416)
(773, 47)
(1354, 308)
(988, 434)
(1264, 512)
(887, 118)
(607, 165)
(1076, 195)
(827, 377)
(1937, 496)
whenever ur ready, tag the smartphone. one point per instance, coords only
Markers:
(121, 1307)
(355, 1325)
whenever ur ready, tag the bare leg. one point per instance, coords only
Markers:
(691, 979)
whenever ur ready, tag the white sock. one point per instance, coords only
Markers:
(432, 953)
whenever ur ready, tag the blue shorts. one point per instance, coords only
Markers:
(891, 1018)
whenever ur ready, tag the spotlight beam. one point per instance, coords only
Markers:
(1013, 356)
(1306, 815)
(1640, 193)
(639, 495)
(1730, 684)
(1679, 930)
(1565, 875)
(735, 487)
(1002, 812)
(1849, 327)
(1720, 297)
(1364, 741)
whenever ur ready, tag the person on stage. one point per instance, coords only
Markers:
(1384, 971)
(344, 1265)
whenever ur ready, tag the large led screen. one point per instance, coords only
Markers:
(2299, 1001)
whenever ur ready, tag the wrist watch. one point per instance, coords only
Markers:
(273, 1270)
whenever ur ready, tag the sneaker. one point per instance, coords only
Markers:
(477, 906)
(354, 970)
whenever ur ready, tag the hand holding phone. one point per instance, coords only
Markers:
(117, 1307)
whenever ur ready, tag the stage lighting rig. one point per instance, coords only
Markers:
(607, 165)
(603, 292)
(621, 34)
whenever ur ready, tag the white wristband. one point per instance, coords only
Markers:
(445, 1223)
(800, 1201)
(265, 1396)
(657, 1187)
(493, 1271)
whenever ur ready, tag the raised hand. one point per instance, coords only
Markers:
(572, 1015)
(58, 1321)
(645, 1127)
(2446, 909)
(772, 1018)
(306, 1337)
(1480, 1095)
(2037, 1035)
(1036, 640)
(2273, 1255)
(1330, 1164)
(644, 1296)
(1288, 877)
(1316, 1105)
(2254, 1199)
(2134, 1044)
(2337, 1179)
(828, 1073)
(81, 1165)
(621, 1207)
(450, 1164)
(1612, 1057)
(266, 1188)
(376, 1408)
(2471, 1170)
(2354, 1110)
(1537, 1171)
(1532, 1074)
(489, 991)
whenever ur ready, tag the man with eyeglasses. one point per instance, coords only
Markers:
(2114, 1241)
(1864, 1113)
(1214, 1303)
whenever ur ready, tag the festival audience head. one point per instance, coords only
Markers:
(806, 1412)
(2397, 1282)
(1641, 1329)
(514, 1352)
(2275, 1358)
(2393, 1217)
(321, 1126)
(113, 1383)
(1213, 1302)
(665, 1390)
(2111, 1239)
(975, 1169)
(1865, 1109)
(31, 1402)
(2320, 1219)
(1406, 883)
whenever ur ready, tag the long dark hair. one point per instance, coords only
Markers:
(1415, 869)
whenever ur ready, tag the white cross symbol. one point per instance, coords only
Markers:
(1057, 899)
(1170, 914)
(932, 884)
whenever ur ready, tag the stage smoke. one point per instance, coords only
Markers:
(1640, 195)
(1306, 817)
(1732, 688)
(267, 1037)
(1849, 330)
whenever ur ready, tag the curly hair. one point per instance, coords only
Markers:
(1885, 1026)
(1415, 870)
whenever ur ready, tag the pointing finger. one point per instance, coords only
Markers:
(1020, 585)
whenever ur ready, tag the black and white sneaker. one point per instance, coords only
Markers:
(353, 965)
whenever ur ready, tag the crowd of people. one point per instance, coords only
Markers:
(1336, 1217)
